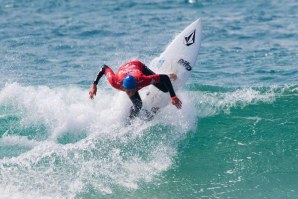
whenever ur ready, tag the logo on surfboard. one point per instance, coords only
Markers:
(185, 64)
(190, 38)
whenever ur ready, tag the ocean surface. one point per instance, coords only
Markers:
(235, 137)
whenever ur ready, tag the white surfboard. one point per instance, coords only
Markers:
(179, 57)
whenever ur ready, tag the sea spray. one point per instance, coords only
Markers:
(85, 144)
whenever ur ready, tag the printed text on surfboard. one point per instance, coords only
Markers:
(185, 63)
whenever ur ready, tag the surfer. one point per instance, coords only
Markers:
(133, 76)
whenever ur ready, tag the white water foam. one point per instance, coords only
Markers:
(213, 103)
(109, 155)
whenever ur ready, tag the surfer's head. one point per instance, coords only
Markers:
(129, 84)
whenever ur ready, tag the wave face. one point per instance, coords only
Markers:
(236, 136)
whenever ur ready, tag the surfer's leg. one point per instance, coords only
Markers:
(147, 71)
(137, 105)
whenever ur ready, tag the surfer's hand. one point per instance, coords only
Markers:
(92, 91)
(173, 76)
(176, 102)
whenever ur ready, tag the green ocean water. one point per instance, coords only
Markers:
(235, 137)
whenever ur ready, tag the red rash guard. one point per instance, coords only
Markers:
(133, 68)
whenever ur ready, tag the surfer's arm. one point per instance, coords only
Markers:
(93, 88)
(165, 80)
(100, 74)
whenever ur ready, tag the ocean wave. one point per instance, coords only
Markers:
(71, 144)
(212, 100)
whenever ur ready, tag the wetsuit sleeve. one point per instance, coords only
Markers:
(165, 80)
(100, 74)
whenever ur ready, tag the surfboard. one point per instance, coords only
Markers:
(179, 57)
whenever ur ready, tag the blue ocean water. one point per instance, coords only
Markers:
(236, 136)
